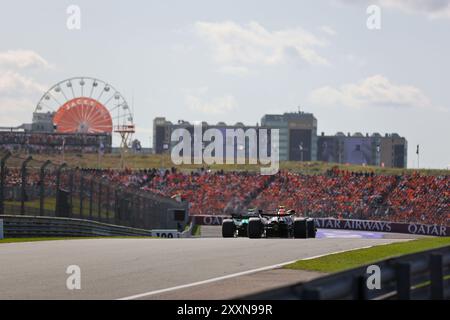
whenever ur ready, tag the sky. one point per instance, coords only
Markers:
(234, 61)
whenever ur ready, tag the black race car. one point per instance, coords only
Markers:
(281, 224)
(237, 226)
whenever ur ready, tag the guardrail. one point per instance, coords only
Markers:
(30, 226)
(424, 275)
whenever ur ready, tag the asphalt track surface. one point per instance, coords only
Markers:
(144, 268)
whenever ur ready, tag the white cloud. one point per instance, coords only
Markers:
(22, 59)
(15, 84)
(432, 8)
(234, 70)
(18, 92)
(220, 105)
(355, 60)
(373, 91)
(239, 46)
(328, 30)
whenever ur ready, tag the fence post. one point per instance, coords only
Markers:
(107, 202)
(403, 271)
(116, 207)
(81, 193)
(71, 178)
(133, 207)
(91, 196)
(58, 175)
(42, 187)
(139, 212)
(2, 181)
(99, 208)
(58, 185)
(437, 277)
(145, 217)
(24, 184)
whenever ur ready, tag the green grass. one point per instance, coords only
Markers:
(355, 258)
(163, 161)
(15, 240)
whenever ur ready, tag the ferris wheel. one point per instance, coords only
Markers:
(89, 106)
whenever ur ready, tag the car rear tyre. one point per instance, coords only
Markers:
(228, 228)
(311, 228)
(254, 228)
(300, 228)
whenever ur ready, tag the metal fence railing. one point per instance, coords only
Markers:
(30, 226)
(33, 187)
(423, 275)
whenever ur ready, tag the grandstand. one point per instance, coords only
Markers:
(131, 197)
(403, 197)
(54, 143)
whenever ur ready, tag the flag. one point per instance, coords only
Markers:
(417, 151)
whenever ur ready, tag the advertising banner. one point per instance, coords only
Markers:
(383, 226)
(348, 224)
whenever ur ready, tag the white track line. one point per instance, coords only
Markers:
(233, 275)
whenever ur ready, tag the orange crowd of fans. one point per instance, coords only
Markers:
(340, 194)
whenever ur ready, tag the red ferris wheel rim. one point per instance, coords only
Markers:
(83, 115)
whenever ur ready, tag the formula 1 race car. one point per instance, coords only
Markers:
(281, 224)
(238, 224)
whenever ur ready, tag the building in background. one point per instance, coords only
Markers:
(162, 131)
(298, 135)
(298, 141)
(375, 150)
(394, 151)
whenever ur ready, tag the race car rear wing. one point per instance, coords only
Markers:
(288, 213)
(244, 216)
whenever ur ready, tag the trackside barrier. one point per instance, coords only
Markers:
(383, 226)
(53, 189)
(30, 226)
(1, 229)
(418, 276)
(351, 224)
(171, 234)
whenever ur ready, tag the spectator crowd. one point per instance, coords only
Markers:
(340, 194)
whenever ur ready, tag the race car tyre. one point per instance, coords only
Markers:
(228, 228)
(300, 228)
(311, 228)
(255, 228)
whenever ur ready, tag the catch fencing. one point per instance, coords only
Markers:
(33, 187)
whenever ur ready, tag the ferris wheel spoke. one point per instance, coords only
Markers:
(110, 98)
(118, 106)
(100, 96)
(92, 88)
(53, 97)
(63, 93)
(87, 112)
(45, 105)
(98, 118)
